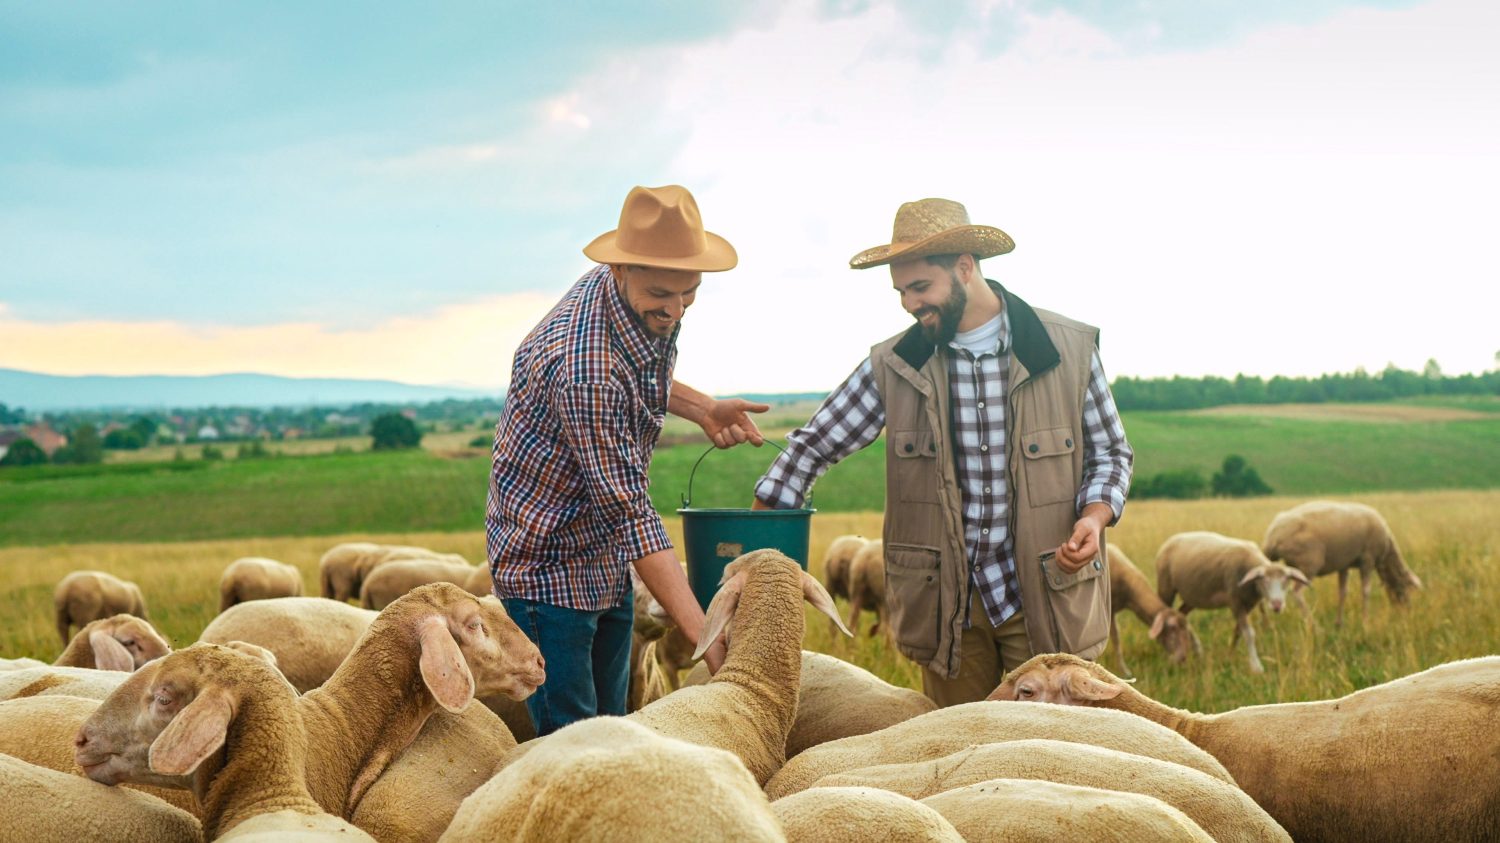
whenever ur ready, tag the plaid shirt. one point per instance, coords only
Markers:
(852, 417)
(568, 509)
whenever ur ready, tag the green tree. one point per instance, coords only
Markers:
(394, 432)
(1238, 480)
(1183, 484)
(84, 447)
(145, 427)
(124, 439)
(24, 452)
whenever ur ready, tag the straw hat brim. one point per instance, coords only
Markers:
(982, 240)
(717, 257)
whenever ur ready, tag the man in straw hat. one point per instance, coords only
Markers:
(568, 513)
(1005, 461)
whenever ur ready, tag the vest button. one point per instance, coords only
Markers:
(909, 447)
(1068, 443)
(1034, 448)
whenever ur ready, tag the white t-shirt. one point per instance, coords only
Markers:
(982, 340)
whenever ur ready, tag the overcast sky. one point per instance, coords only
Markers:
(355, 190)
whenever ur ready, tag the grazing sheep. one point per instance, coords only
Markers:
(1324, 537)
(309, 635)
(395, 577)
(1015, 810)
(343, 569)
(1227, 813)
(608, 778)
(841, 814)
(1413, 759)
(121, 642)
(256, 578)
(1212, 571)
(1128, 589)
(867, 584)
(39, 805)
(836, 561)
(84, 596)
(948, 730)
(230, 725)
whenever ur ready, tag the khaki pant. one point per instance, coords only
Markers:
(985, 654)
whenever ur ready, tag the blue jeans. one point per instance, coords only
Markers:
(588, 660)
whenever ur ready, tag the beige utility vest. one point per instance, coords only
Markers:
(928, 582)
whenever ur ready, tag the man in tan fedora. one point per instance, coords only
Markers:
(1005, 461)
(568, 513)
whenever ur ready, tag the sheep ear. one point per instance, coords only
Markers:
(1158, 624)
(444, 670)
(821, 600)
(720, 610)
(1297, 575)
(1254, 574)
(1004, 692)
(1083, 685)
(110, 654)
(193, 735)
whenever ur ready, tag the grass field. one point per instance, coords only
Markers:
(1448, 538)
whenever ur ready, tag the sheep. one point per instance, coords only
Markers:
(309, 635)
(839, 700)
(1128, 589)
(839, 814)
(948, 730)
(1211, 571)
(1417, 758)
(836, 561)
(20, 664)
(257, 578)
(659, 650)
(84, 596)
(608, 778)
(1227, 813)
(40, 805)
(867, 584)
(120, 642)
(397, 576)
(1324, 537)
(342, 570)
(1010, 810)
(51, 680)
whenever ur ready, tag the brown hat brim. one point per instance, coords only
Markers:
(981, 240)
(717, 257)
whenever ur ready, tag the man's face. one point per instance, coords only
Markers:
(657, 297)
(933, 296)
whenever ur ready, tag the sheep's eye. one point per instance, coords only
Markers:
(1025, 692)
(129, 642)
(476, 625)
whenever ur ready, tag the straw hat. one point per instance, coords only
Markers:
(661, 227)
(934, 227)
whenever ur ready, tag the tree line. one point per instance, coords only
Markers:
(1183, 393)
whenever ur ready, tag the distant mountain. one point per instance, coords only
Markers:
(37, 392)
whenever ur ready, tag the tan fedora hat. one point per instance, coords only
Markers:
(934, 227)
(661, 227)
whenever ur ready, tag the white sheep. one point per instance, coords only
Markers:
(309, 635)
(395, 577)
(840, 814)
(342, 570)
(84, 596)
(1128, 590)
(1413, 759)
(39, 805)
(948, 730)
(52, 680)
(22, 663)
(120, 642)
(1324, 537)
(836, 561)
(1212, 571)
(608, 778)
(1010, 810)
(867, 584)
(1227, 813)
(257, 578)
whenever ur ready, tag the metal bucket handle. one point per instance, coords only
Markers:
(687, 498)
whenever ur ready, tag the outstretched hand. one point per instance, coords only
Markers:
(728, 422)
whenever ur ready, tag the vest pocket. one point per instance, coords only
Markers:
(1079, 603)
(1049, 465)
(915, 465)
(912, 595)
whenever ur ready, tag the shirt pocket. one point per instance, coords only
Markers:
(916, 466)
(1049, 465)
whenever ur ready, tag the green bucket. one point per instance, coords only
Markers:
(716, 537)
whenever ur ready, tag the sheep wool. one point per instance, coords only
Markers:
(49, 680)
(309, 635)
(841, 814)
(394, 578)
(257, 578)
(39, 805)
(1022, 810)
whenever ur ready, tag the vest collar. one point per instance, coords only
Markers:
(1028, 337)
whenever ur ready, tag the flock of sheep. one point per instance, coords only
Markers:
(306, 718)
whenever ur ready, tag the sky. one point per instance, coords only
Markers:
(400, 191)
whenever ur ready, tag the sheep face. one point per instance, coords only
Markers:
(491, 649)
(1170, 629)
(1271, 582)
(125, 642)
(1058, 678)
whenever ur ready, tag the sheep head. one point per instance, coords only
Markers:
(468, 645)
(1058, 678)
(124, 642)
(1170, 628)
(732, 584)
(1270, 579)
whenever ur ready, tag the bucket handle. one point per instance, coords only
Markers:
(687, 498)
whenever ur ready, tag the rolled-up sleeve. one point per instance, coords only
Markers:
(596, 424)
(1108, 459)
(851, 418)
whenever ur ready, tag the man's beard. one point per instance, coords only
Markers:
(949, 313)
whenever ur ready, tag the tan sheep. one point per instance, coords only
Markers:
(20, 664)
(342, 570)
(1212, 571)
(608, 778)
(1325, 537)
(836, 561)
(1128, 590)
(230, 725)
(1227, 813)
(395, 577)
(309, 635)
(51, 680)
(39, 805)
(867, 585)
(841, 814)
(1017, 810)
(948, 730)
(1414, 759)
(84, 596)
(257, 578)
(121, 642)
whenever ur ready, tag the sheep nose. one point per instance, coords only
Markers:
(81, 740)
